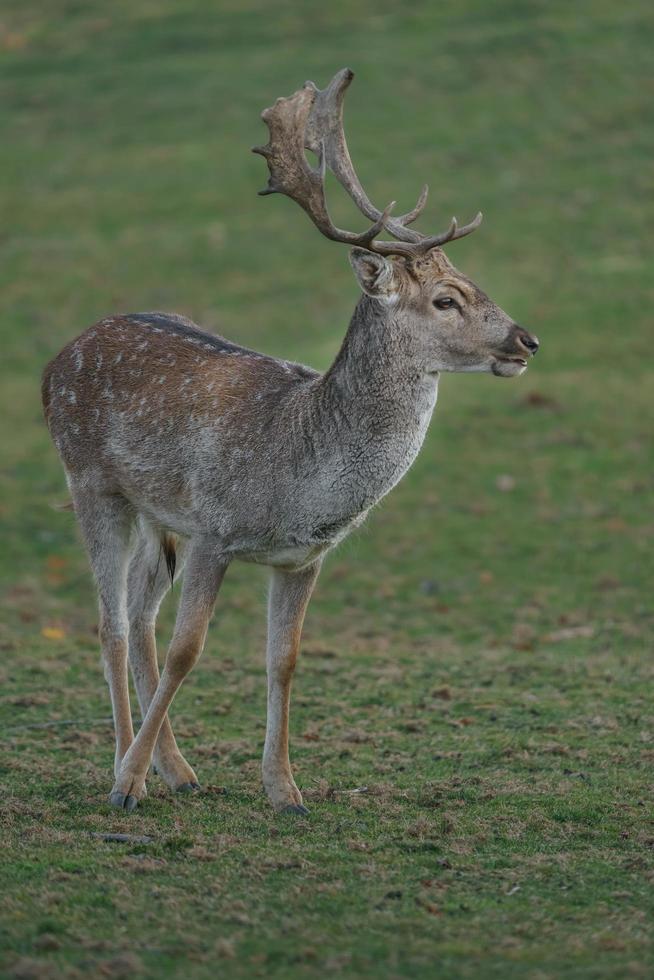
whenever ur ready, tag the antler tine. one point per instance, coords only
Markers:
(472, 226)
(410, 216)
(325, 126)
(379, 226)
(452, 233)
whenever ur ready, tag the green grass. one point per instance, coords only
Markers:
(479, 658)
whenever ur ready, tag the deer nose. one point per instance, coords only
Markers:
(528, 340)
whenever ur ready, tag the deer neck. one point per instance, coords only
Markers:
(379, 369)
(378, 398)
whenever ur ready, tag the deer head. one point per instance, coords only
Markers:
(450, 323)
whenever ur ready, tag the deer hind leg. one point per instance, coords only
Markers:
(202, 579)
(288, 600)
(148, 581)
(106, 523)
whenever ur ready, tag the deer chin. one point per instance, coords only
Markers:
(508, 367)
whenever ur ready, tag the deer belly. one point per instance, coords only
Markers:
(293, 556)
(297, 554)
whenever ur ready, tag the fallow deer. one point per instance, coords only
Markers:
(184, 449)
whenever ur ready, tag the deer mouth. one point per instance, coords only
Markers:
(508, 367)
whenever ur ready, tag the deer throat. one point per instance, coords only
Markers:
(376, 440)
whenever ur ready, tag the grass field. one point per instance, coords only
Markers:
(479, 656)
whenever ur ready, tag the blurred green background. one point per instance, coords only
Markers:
(479, 656)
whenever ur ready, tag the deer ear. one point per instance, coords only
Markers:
(374, 272)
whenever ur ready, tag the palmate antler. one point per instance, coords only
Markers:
(312, 119)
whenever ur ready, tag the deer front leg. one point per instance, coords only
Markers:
(288, 600)
(202, 579)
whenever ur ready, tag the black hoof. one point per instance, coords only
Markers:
(187, 788)
(296, 808)
(122, 802)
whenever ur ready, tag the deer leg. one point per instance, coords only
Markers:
(288, 600)
(202, 579)
(148, 582)
(106, 523)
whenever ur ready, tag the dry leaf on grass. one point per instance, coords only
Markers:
(505, 482)
(53, 633)
(570, 633)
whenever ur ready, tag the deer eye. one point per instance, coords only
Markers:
(445, 303)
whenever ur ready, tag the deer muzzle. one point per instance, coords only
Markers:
(511, 360)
